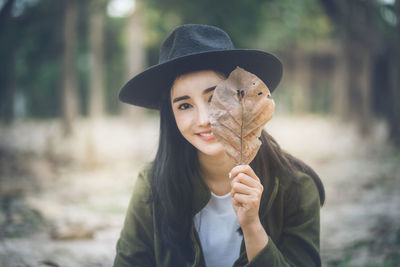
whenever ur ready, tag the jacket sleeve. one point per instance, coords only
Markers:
(136, 243)
(298, 244)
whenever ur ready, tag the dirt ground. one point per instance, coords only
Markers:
(63, 200)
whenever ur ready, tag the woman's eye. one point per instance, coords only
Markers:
(183, 106)
(209, 100)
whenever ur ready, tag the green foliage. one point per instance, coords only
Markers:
(360, 20)
(37, 56)
(240, 18)
(30, 46)
(21, 219)
(38, 48)
(33, 40)
(288, 23)
(38, 45)
(273, 25)
(115, 65)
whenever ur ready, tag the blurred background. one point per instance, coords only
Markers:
(70, 151)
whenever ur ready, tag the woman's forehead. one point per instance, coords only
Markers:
(195, 81)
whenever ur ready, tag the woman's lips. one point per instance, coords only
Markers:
(206, 136)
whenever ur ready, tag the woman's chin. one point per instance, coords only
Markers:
(216, 150)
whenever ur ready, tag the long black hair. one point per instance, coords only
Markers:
(176, 165)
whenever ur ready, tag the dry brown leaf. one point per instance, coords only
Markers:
(240, 107)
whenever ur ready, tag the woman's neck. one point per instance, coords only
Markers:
(214, 170)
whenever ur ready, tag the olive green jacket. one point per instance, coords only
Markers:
(293, 229)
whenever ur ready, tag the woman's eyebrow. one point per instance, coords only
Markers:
(187, 97)
(180, 98)
(209, 90)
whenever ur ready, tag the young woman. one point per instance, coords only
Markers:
(192, 206)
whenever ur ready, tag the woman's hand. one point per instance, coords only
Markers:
(246, 195)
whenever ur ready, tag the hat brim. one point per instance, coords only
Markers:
(148, 87)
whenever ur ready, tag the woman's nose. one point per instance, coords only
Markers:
(203, 118)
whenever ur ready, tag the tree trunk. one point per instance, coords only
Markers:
(366, 69)
(69, 94)
(395, 86)
(302, 82)
(136, 50)
(7, 66)
(135, 60)
(11, 86)
(341, 81)
(360, 47)
(96, 34)
(360, 71)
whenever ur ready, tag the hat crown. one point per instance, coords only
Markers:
(193, 39)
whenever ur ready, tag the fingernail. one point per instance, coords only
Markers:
(229, 175)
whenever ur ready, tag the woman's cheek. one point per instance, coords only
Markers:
(182, 121)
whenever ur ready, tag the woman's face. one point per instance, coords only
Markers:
(191, 95)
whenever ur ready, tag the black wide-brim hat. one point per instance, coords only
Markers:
(193, 47)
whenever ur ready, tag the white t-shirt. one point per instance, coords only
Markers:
(217, 226)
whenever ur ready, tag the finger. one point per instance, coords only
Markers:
(243, 169)
(235, 202)
(245, 200)
(247, 180)
(244, 189)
